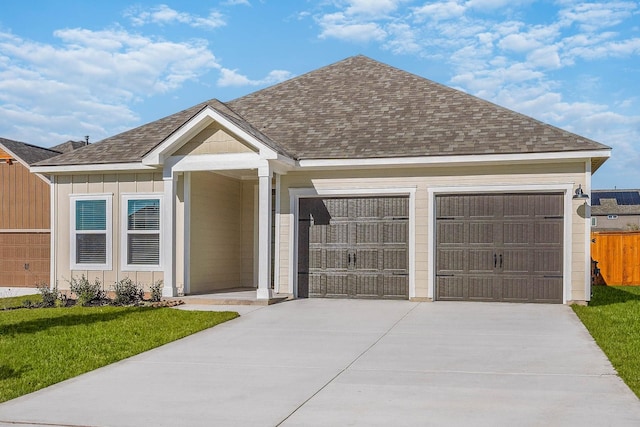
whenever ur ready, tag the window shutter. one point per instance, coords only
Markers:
(143, 249)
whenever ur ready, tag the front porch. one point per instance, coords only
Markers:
(232, 296)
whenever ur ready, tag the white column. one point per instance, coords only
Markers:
(264, 233)
(168, 234)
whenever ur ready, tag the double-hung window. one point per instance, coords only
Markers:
(91, 232)
(142, 226)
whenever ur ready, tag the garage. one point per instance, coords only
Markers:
(353, 247)
(499, 247)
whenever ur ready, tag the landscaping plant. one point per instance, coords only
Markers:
(127, 292)
(86, 292)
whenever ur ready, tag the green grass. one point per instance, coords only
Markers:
(613, 319)
(40, 347)
(17, 302)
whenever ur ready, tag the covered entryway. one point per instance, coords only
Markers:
(500, 247)
(353, 247)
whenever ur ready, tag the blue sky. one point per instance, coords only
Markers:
(74, 68)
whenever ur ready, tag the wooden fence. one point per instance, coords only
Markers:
(618, 257)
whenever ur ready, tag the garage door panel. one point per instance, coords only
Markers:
(482, 206)
(368, 286)
(517, 233)
(394, 208)
(482, 288)
(315, 258)
(366, 259)
(480, 260)
(451, 289)
(450, 206)
(517, 206)
(450, 232)
(20, 249)
(395, 232)
(336, 259)
(547, 262)
(336, 233)
(515, 289)
(451, 261)
(481, 232)
(547, 289)
(515, 261)
(395, 259)
(547, 232)
(396, 286)
(367, 232)
(548, 205)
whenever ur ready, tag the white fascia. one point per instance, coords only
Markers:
(479, 159)
(200, 121)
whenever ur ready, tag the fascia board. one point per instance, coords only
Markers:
(452, 160)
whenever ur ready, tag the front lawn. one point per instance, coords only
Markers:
(613, 319)
(40, 347)
(21, 301)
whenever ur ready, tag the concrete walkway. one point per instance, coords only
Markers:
(334, 363)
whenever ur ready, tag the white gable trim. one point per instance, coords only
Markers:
(319, 164)
(200, 121)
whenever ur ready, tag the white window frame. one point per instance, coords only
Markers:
(109, 232)
(612, 216)
(124, 231)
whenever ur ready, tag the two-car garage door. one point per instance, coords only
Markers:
(489, 247)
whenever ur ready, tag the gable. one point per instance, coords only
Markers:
(4, 156)
(214, 140)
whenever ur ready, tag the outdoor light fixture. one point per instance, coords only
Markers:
(580, 195)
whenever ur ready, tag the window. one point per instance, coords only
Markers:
(612, 216)
(142, 228)
(90, 232)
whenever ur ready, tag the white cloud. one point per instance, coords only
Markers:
(337, 25)
(438, 11)
(164, 15)
(372, 8)
(594, 16)
(233, 78)
(86, 84)
(236, 3)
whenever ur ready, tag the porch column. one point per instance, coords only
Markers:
(264, 233)
(168, 234)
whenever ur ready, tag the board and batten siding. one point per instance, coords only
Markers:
(112, 183)
(424, 179)
(24, 227)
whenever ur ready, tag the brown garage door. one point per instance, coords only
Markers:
(499, 247)
(24, 259)
(353, 247)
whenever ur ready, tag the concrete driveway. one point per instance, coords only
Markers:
(340, 362)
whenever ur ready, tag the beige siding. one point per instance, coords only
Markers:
(425, 178)
(216, 227)
(111, 184)
(213, 140)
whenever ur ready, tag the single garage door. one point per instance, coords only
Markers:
(24, 259)
(353, 247)
(499, 247)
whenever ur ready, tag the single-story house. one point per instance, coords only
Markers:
(615, 210)
(24, 218)
(354, 180)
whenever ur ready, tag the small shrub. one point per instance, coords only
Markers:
(156, 291)
(127, 292)
(51, 297)
(86, 292)
(27, 303)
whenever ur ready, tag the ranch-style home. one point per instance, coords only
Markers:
(356, 180)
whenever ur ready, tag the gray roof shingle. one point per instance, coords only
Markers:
(30, 154)
(355, 108)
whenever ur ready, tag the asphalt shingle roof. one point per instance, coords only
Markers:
(28, 153)
(356, 108)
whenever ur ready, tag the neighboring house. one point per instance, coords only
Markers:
(615, 210)
(354, 180)
(24, 219)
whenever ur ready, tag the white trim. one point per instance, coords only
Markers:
(109, 167)
(565, 188)
(199, 122)
(587, 234)
(52, 238)
(452, 160)
(295, 194)
(215, 162)
(187, 232)
(108, 197)
(276, 245)
(169, 233)
(124, 231)
(265, 178)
